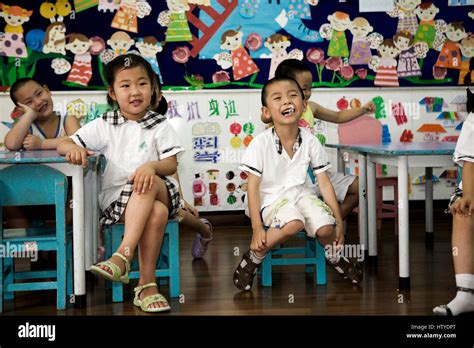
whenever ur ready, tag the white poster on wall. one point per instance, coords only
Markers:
(460, 2)
(375, 6)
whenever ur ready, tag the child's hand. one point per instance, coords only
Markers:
(191, 209)
(369, 108)
(259, 240)
(26, 111)
(463, 206)
(143, 178)
(32, 142)
(78, 156)
(339, 236)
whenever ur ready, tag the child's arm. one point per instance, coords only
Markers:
(465, 205)
(143, 177)
(15, 137)
(259, 236)
(73, 153)
(32, 142)
(71, 125)
(327, 190)
(340, 116)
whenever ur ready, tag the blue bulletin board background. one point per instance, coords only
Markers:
(253, 16)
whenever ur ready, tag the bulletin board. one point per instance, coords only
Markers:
(183, 43)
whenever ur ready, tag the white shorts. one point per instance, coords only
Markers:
(310, 210)
(340, 182)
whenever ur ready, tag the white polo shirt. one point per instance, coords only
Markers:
(465, 146)
(280, 175)
(127, 145)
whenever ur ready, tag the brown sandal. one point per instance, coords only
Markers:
(245, 273)
(350, 270)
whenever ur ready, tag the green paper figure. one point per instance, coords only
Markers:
(379, 108)
(249, 128)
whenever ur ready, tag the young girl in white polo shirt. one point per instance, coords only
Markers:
(277, 162)
(140, 148)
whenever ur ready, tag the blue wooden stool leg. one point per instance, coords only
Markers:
(173, 259)
(266, 267)
(9, 278)
(116, 237)
(1, 278)
(320, 264)
(310, 252)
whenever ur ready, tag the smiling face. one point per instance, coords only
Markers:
(284, 102)
(467, 47)
(13, 20)
(408, 5)
(148, 50)
(402, 43)
(177, 6)
(132, 90)
(455, 34)
(339, 22)
(427, 14)
(279, 46)
(233, 42)
(78, 46)
(388, 51)
(36, 97)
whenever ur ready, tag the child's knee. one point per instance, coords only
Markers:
(158, 215)
(293, 227)
(354, 187)
(326, 231)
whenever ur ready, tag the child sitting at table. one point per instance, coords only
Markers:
(277, 162)
(39, 127)
(461, 207)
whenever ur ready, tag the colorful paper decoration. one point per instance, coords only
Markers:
(12, 42)
(277, 44)
(231, 199)
(426, 31)
(460, 102)
(379, 108)
(55, 38)
(249, 128)
(399, 113)
(339, 22)
(466, 74)
(62, 8)
(236, 142)
(386, 139)
(149, 47)
(81, 71)
(450, 55)
(176, 21)
(77, 108)
(235, 128)
(433, 104)
(108, 5)
(407, 61)
(431, 131)
(360, 48)
(82, 5)
(60, 66)
(242, 64)
(355, 103)
(243, 175)
(342, 104)
(247, 140)
(422, 179)
(450, 139)
(407, 136)
(229, 175)
(449, 115)
(386, 65)
(404, 10)
(128, 13)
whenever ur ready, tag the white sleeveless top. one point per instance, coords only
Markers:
(35, 129)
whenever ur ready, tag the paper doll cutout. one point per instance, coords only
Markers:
(176, 21)
(426, 31)
(62, 8)
(55, 38)
(277, 44)
(466, 74)
(81, 71)
(128, 13)
(408, 59)
(108, 5)
(120, 42)
(360, 49)
(149, 47)
(386, 65)
(450, 55)
(12, 43)
(404, 10)
(339, 22)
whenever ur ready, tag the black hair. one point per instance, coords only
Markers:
(291, 68)
(275, 80)
(470, 101)
(129, 61)
(162, 107)
(17, 85)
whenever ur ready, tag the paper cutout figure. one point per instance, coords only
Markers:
(82, 5)
(421, 180)
(460, 102)
(77, 108)
(408, 59)
(431, 131)
(55, 38)
(108, 5)
(249, 128)
(128, 13)
(242, 64)
(235, 128)
(379, 107)
(426, 31)
(120, 42)
(433, 104)
(339, 22)
(386, 139)
(449, 118)
(450, 139)
(404, 10)
(81, 71)
(235, 142)
(466, 74)
(149, 47)
(360, 49)
(386, 65)
(277, 44)
(176, 21)
(342, 104)
(399, 113)
(407, 136)
(450, 55)
(12, 43)
(62, 8)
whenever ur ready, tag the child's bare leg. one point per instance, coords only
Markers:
(351, 200)
(149, 249)
(279, 235)
(192, 222)
(463, 259)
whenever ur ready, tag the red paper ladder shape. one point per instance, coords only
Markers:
(219, 18)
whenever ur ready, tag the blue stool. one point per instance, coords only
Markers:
(27, 184)
(314, 259)
(167, 265)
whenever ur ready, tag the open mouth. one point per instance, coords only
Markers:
(288, 111)
(43, 108)
(136, 102)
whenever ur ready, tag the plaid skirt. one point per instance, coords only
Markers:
(114, 211)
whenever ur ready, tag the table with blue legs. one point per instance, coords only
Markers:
(84, 203)
(403, 156)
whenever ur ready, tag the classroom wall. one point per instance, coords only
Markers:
(209, 123)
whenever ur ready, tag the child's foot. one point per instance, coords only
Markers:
(115, 269)
(462, 303)
(200, 244)
(149, 299)
(348, 269)
(246, 271)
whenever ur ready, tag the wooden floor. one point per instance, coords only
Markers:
(207, 288)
